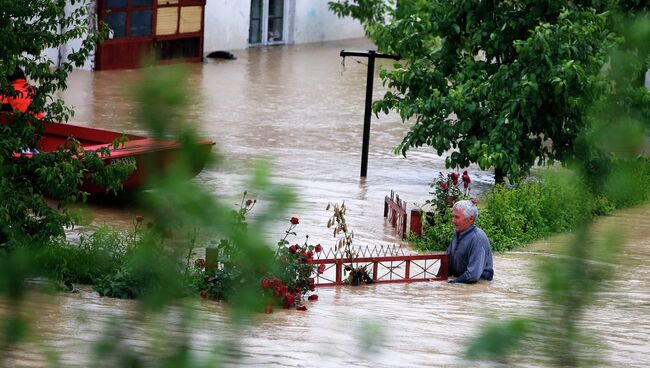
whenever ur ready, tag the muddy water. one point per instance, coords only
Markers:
(297, 107)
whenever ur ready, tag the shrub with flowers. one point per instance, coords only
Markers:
(446, 191)
(286, 285)
(293, 279)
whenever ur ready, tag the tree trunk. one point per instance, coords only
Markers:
(499, 178)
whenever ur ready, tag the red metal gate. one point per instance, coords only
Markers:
(383, 265)
(395, 212)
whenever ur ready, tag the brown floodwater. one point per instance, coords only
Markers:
(299, 108)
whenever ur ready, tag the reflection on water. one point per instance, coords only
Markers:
(297, 108)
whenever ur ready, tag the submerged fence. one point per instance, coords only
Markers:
(381, 265)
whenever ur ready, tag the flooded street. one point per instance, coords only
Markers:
(299, 108)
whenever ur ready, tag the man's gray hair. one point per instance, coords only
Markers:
(468, 207)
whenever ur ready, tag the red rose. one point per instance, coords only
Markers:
(321, 268)
(284, 290)
(313, 297)
(301, 308)
(293, 248)
(309, 257)
(318, 248)
(200, 263)
(268, 309)
(295, 220)
(266, 284)
(444, 186)
(288, 301)
(454, 178)
(203, 294)
(466, 179)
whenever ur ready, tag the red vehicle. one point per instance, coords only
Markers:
(150, 155)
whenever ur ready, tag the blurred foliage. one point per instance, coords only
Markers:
(285, 283)
(94, 256)
(179, 207)
(572, 281)
(505, 85)
(153, 263)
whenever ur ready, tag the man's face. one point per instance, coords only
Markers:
(461, 223)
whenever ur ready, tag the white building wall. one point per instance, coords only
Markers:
(226, 25)
(60, 54)
(75, 45)
(314, 22)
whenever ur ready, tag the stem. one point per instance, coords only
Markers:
(286, 233)
(191, 248)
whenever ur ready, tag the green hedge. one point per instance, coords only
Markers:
(555, 202)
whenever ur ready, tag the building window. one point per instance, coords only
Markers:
(166, 29)
(128, 18)
(267, 22)
(177, 17)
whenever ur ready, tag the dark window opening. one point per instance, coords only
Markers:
(256, 26)
(276, 17)
(116, 3)
(116, 21)
(140, 23)
(178, 48)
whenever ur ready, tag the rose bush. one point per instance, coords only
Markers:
(446, 191)
(285, 286)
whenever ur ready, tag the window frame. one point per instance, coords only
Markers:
(178, 6)
(265, 25)
(129, 9)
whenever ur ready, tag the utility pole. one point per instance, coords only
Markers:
(371, 55)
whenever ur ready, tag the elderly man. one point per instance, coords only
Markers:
(470, 256)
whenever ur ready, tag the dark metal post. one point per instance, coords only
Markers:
(371, 55)
(367, 113)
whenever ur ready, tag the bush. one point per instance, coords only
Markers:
(101, 253)
(148, 272)
(434, 237)
(533, 209)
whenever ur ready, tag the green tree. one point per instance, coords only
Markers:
(504, 84)
(27, 28)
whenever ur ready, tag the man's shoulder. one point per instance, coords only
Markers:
(480, 234)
